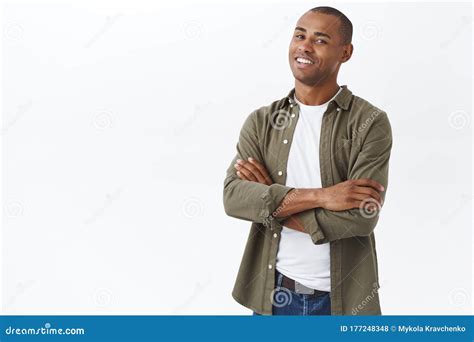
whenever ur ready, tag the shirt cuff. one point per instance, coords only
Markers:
(312, 227)
(272, 198)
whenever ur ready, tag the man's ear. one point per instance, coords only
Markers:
(347, 53)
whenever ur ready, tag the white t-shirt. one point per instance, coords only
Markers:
(298, 257)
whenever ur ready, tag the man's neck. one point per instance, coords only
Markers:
(315, 95)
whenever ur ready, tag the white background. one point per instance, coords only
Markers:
(120, 119)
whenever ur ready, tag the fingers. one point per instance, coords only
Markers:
(242, 171)
(364, 204)
(364, 191)
(367, 199)
(242, 176)
(250, 171)
(253, 171)
(262, 170)
(369, 182)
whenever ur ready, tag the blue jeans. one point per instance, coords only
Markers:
(286, 302)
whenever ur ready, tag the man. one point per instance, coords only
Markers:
(311, 173)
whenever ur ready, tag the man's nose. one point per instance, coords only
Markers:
(305, 47)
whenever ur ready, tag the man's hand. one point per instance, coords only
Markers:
(253, 170)
(353, 193)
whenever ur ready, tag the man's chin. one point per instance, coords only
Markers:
(309, 81)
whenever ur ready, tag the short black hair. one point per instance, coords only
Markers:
(346, 25)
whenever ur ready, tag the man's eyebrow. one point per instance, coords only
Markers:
(318, 34)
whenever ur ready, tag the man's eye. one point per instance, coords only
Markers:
(299, 36)
(320, 41)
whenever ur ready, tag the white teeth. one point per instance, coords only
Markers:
(304, 60)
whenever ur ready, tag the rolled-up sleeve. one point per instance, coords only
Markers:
(246, 200)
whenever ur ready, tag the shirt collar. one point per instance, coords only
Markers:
(342, 99)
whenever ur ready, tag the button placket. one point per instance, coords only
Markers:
(274, 233)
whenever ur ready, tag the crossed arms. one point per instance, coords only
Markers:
(344, 210)
(351, 194)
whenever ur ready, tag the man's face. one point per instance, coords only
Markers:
(316, 49)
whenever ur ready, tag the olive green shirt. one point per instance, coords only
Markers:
(355, 142)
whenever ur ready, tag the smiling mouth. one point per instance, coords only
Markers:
(302, 60)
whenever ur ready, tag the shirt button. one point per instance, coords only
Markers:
(275, 235)
(285, 141)
(291, 105)
(293, 115)
(338, 109)
(280, 173)
(270, 266)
